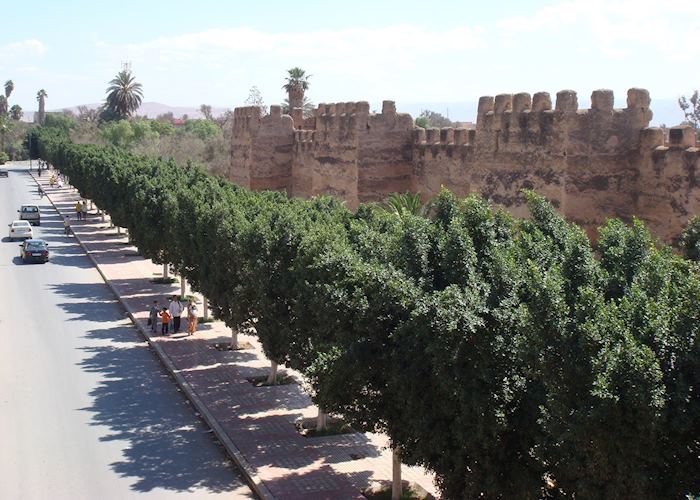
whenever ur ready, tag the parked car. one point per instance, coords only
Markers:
(4, 172)
(34, 251)
(20, 229)
(30, 213)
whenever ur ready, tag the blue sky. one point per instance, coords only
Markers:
(194, 52)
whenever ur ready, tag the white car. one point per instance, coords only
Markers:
(20, 229)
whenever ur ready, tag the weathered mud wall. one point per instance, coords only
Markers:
(592, 163)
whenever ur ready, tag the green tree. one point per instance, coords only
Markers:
(202, 128)
(297, 83)
(307, 106)
(406, 203)
(690, 239)
(428, 119)
(499, 353)
(205, 109)
(162, 128)
(422, 122)
(119, 133)
(41, 96)
(16, 112)
(691, 109)
(9, 87)
(255, 98)
(124, 96)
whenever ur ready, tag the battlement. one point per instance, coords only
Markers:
(444, 137)
(506, 111)
(592, 163)
(246, 119)
(342, 108)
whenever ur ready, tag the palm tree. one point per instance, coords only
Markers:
(297, 84)
(9, 87)
(124, 95)
(403, 204)
(307, 106)
(16, 112)
(41, 97)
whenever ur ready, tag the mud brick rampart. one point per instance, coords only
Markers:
(591, 163)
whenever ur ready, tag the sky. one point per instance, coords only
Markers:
(187, 53)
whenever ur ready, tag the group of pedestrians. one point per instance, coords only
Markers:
(172, 315)
(56, 181)
(81, 210)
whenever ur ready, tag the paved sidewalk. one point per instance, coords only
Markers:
(255, 424)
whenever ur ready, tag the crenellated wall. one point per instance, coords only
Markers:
(591, 163)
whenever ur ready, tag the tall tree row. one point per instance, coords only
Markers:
(507, 356)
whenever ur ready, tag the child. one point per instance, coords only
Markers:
(165, 319)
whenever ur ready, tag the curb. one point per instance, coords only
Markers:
(246, 469)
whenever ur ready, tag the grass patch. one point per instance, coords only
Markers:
(381, 490)
(334, 427)
(226, 346)
(164, 281)
(280, 379)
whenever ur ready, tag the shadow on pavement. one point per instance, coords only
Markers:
(164, 445)
(167, 447)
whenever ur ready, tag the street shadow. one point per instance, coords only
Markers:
(137, 402)
(164, 445)
(320, 483)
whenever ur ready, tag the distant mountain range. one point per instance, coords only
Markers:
(666, 111)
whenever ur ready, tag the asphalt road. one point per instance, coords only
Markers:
(86, 409)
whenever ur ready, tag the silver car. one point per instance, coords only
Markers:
(20, 229)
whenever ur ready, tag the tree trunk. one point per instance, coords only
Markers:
(321, 420)
(296, 98)
(395, 474)
(166, 271)
(183, 286)
(234, 338)
(272, 377)
(205, 306)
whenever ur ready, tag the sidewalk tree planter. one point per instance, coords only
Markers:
(529, 356)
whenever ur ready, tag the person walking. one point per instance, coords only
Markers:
(66, 225)
(192, 317)
(79, 210)
(153, 316)
(175, 309)
(165, 321)
(84, 210)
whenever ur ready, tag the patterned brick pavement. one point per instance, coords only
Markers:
(255, 424)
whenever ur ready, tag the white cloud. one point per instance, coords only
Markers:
(399, 45)
(220, 65)
(24, 48)
(614, 28)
